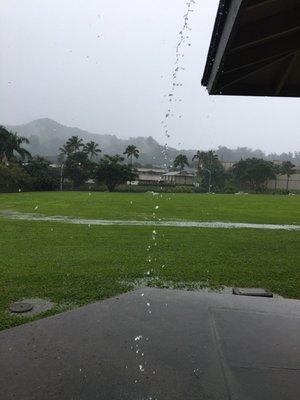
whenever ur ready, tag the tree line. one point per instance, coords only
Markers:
(78, 162)
(234, 155)
(251, 174)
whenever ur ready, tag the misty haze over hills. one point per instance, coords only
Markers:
(47, 136)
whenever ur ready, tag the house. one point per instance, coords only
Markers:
(149, 176)
(179, 178)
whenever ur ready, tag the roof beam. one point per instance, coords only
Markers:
(261, 51)
(241, 78)
(286, 74)
(257, 63)
(267, 29)
(264, 39)
(259, 4)
(231, 76)
(263, 90)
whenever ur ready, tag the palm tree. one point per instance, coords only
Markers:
(201, 157)
(4, 140)
(180, 161)
(211, 158)
(11, 143)
(206, 160)
(74, 144)
(64, 150)
(277, 171)
(91, 148)
(131, 151)
(15, 146)
(288, 169)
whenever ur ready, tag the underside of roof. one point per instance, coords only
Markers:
(255, 49)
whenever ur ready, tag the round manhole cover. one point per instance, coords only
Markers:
(20, 307)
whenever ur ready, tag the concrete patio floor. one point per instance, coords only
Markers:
(181, 345)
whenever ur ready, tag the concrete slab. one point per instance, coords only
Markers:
(257, 292)
(157, 344)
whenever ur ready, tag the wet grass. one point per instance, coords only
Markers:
(140, 206)
(73, 265)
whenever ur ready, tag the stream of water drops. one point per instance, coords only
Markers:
(171, 97)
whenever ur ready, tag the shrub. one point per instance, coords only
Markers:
(14, 178)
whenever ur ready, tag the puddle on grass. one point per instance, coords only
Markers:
(193, 286)
(155, 281)
(173, 223)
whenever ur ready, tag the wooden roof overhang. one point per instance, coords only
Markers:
(255, 49)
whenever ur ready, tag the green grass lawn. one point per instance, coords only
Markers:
(140, 206)
(77, 264)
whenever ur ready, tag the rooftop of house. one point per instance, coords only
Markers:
(179, 173)
(151, 170)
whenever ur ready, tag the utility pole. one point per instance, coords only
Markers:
(61, 176)
(209, 178)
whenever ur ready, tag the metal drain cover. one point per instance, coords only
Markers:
(256, 292)
(20, 307)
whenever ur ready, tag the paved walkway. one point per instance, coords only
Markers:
(157, 344)
(174, 223)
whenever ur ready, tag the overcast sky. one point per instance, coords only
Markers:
(105, 66)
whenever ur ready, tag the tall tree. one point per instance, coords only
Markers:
(64, 150)
(4, 140)
(11, 144)
(200, 156)
(91, 148)
(113, 172)
(78, 168)
(132, 151)
(74, 144)
(210, 158)
(180, 161)
(253, 173)
(277, 171)
(13, 178)
(44, 177)
(210, 171)
(288, 169)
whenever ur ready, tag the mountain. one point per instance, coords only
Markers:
(47, 136)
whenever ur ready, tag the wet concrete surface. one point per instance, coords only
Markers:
(191, 346)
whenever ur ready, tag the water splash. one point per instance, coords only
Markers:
(169, 113)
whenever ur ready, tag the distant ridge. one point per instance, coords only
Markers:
(47, 136)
